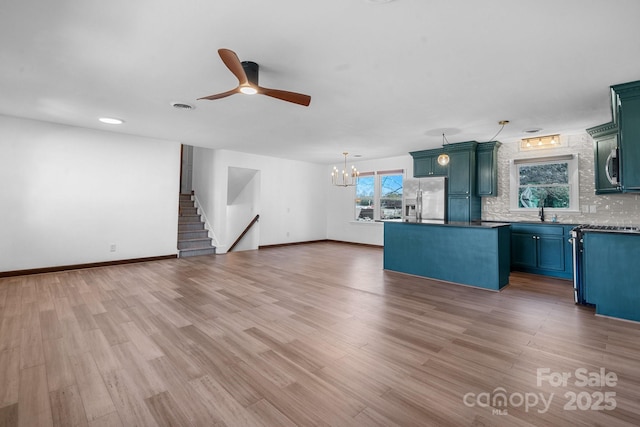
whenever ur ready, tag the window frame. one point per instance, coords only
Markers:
(377, 193)
(574, 182)
(356, 212)
(380, 175)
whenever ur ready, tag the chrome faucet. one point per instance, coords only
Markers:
(541, 213)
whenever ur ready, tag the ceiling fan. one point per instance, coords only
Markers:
(247, 74)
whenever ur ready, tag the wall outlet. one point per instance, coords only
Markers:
(112, 248)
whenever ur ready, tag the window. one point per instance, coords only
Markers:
(390, 195)
(549, 182)
(365, 196)
(379, 195)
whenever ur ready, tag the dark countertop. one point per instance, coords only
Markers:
(476, 224)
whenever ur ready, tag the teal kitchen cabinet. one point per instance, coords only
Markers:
(425, 164)
(622, 133)
(459, 209)
(605, 153)
(610, 273)
(542, 249)
(627, 99)
(464, 203)
(469, 254)
(487, 169)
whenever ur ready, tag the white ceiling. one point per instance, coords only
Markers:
(384, 79)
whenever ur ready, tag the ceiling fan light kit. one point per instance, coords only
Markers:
(248, 90)
(247, 74)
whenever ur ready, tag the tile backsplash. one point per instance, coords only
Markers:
(618, 209)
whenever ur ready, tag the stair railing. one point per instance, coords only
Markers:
(246, 230)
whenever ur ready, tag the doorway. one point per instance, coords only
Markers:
(186, 169)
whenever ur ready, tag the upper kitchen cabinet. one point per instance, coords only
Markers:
(425, 163)
(605, 152)
(464, 204)
(627, 100)
(617, 144)
(487, 168)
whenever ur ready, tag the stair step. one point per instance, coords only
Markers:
(190, 226)
(203, 243)
(190, 210)
(194, 234)
(193, 238)
(188, 218)
(197, 252)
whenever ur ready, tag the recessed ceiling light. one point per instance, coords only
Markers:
(357, 155)
(182, 106)
(111, 120)
(532, 130)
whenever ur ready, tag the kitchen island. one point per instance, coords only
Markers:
(475, 253)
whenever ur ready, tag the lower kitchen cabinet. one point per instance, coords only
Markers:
(611, 273)
(542, 249)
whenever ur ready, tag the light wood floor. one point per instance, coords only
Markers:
(314, 334)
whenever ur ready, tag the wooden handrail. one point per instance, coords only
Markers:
(246, 230)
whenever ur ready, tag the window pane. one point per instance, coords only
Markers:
(556, 196)
(364, 197)
(550, 183)
(390, 196)
(549, 173)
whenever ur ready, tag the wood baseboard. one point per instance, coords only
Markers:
(82, 266)
(319, 241)
(368, 245)
(280, 245)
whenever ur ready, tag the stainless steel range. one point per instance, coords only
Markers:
(577, 243)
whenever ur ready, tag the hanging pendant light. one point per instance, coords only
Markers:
(345, 179)
(443, 159)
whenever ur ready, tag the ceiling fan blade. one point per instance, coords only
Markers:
(221, 95)
(233, 63)
(296, 98)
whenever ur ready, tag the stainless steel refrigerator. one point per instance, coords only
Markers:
(424, 199)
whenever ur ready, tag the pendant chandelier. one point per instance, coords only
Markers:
(346, 178)
(443, 159)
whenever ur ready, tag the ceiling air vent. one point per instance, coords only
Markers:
(182, 106)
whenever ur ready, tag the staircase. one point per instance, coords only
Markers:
(193, 238)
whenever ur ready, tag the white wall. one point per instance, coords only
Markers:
(243, 205)
(292, 196)
(68, 194)
(341, 224)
